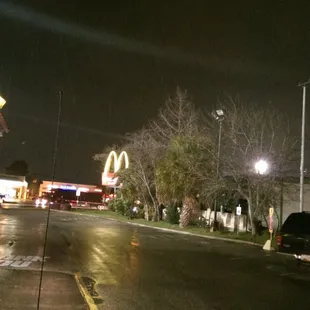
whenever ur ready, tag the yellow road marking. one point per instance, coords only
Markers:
(89, 300)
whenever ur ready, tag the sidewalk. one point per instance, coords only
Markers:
(19, 290)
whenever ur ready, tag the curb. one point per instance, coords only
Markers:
(170, 230)
(190, 233)
(84, 292)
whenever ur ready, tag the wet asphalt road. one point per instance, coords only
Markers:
(128, 267)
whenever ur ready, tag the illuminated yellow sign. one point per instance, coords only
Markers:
(2, 102)
(108, 177)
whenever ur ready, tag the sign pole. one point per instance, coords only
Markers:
(271, 211)
(238, 212)
(267, 245)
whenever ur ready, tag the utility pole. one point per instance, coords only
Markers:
(48, 210)
(57, 137)
(302, 148)
(218, 115)
(281, 201)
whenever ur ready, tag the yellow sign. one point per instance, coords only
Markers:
(2, 102)
(271, 210)
(108, 178)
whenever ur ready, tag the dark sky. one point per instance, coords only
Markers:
(117, 62)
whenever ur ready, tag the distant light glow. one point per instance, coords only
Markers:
(68, 187)
(261, 166)
(10, 183)
(83, 189)
(50, 186)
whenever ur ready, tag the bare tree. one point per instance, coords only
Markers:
(176, 118)
(144, 151)
(251, 133)
(172, 159)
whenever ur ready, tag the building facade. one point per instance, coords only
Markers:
(13, 187)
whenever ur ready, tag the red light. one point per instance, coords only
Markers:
(279, 240)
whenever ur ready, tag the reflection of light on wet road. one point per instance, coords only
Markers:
(107, 260)
(100, 257)
(15, 227)
(135, 239)
(8, 231)
(133, 255)
(8, 226)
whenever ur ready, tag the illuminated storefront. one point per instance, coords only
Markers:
(47, 186)
(13, 187)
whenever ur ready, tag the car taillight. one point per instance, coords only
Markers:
(279, 240)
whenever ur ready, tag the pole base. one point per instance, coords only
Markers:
(267, 246)
(215, 226)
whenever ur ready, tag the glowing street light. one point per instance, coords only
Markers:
(2, 102)
(261, 166)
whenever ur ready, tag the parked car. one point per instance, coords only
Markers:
(294, 236)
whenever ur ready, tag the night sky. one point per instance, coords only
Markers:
(117, 62)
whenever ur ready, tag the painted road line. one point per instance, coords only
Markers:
(84, 292)
(19, 261)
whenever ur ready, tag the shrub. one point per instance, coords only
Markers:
(111, 205)
(172, 214)
(119, 206)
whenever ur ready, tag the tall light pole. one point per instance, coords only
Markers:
(302, 147)
(218, 115)
(261, 167)
(53, 180)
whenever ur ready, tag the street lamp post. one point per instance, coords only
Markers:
(261, 168)
(218, 115)
(302, 147)
(53, 180)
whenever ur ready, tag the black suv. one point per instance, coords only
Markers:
(294, 235)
